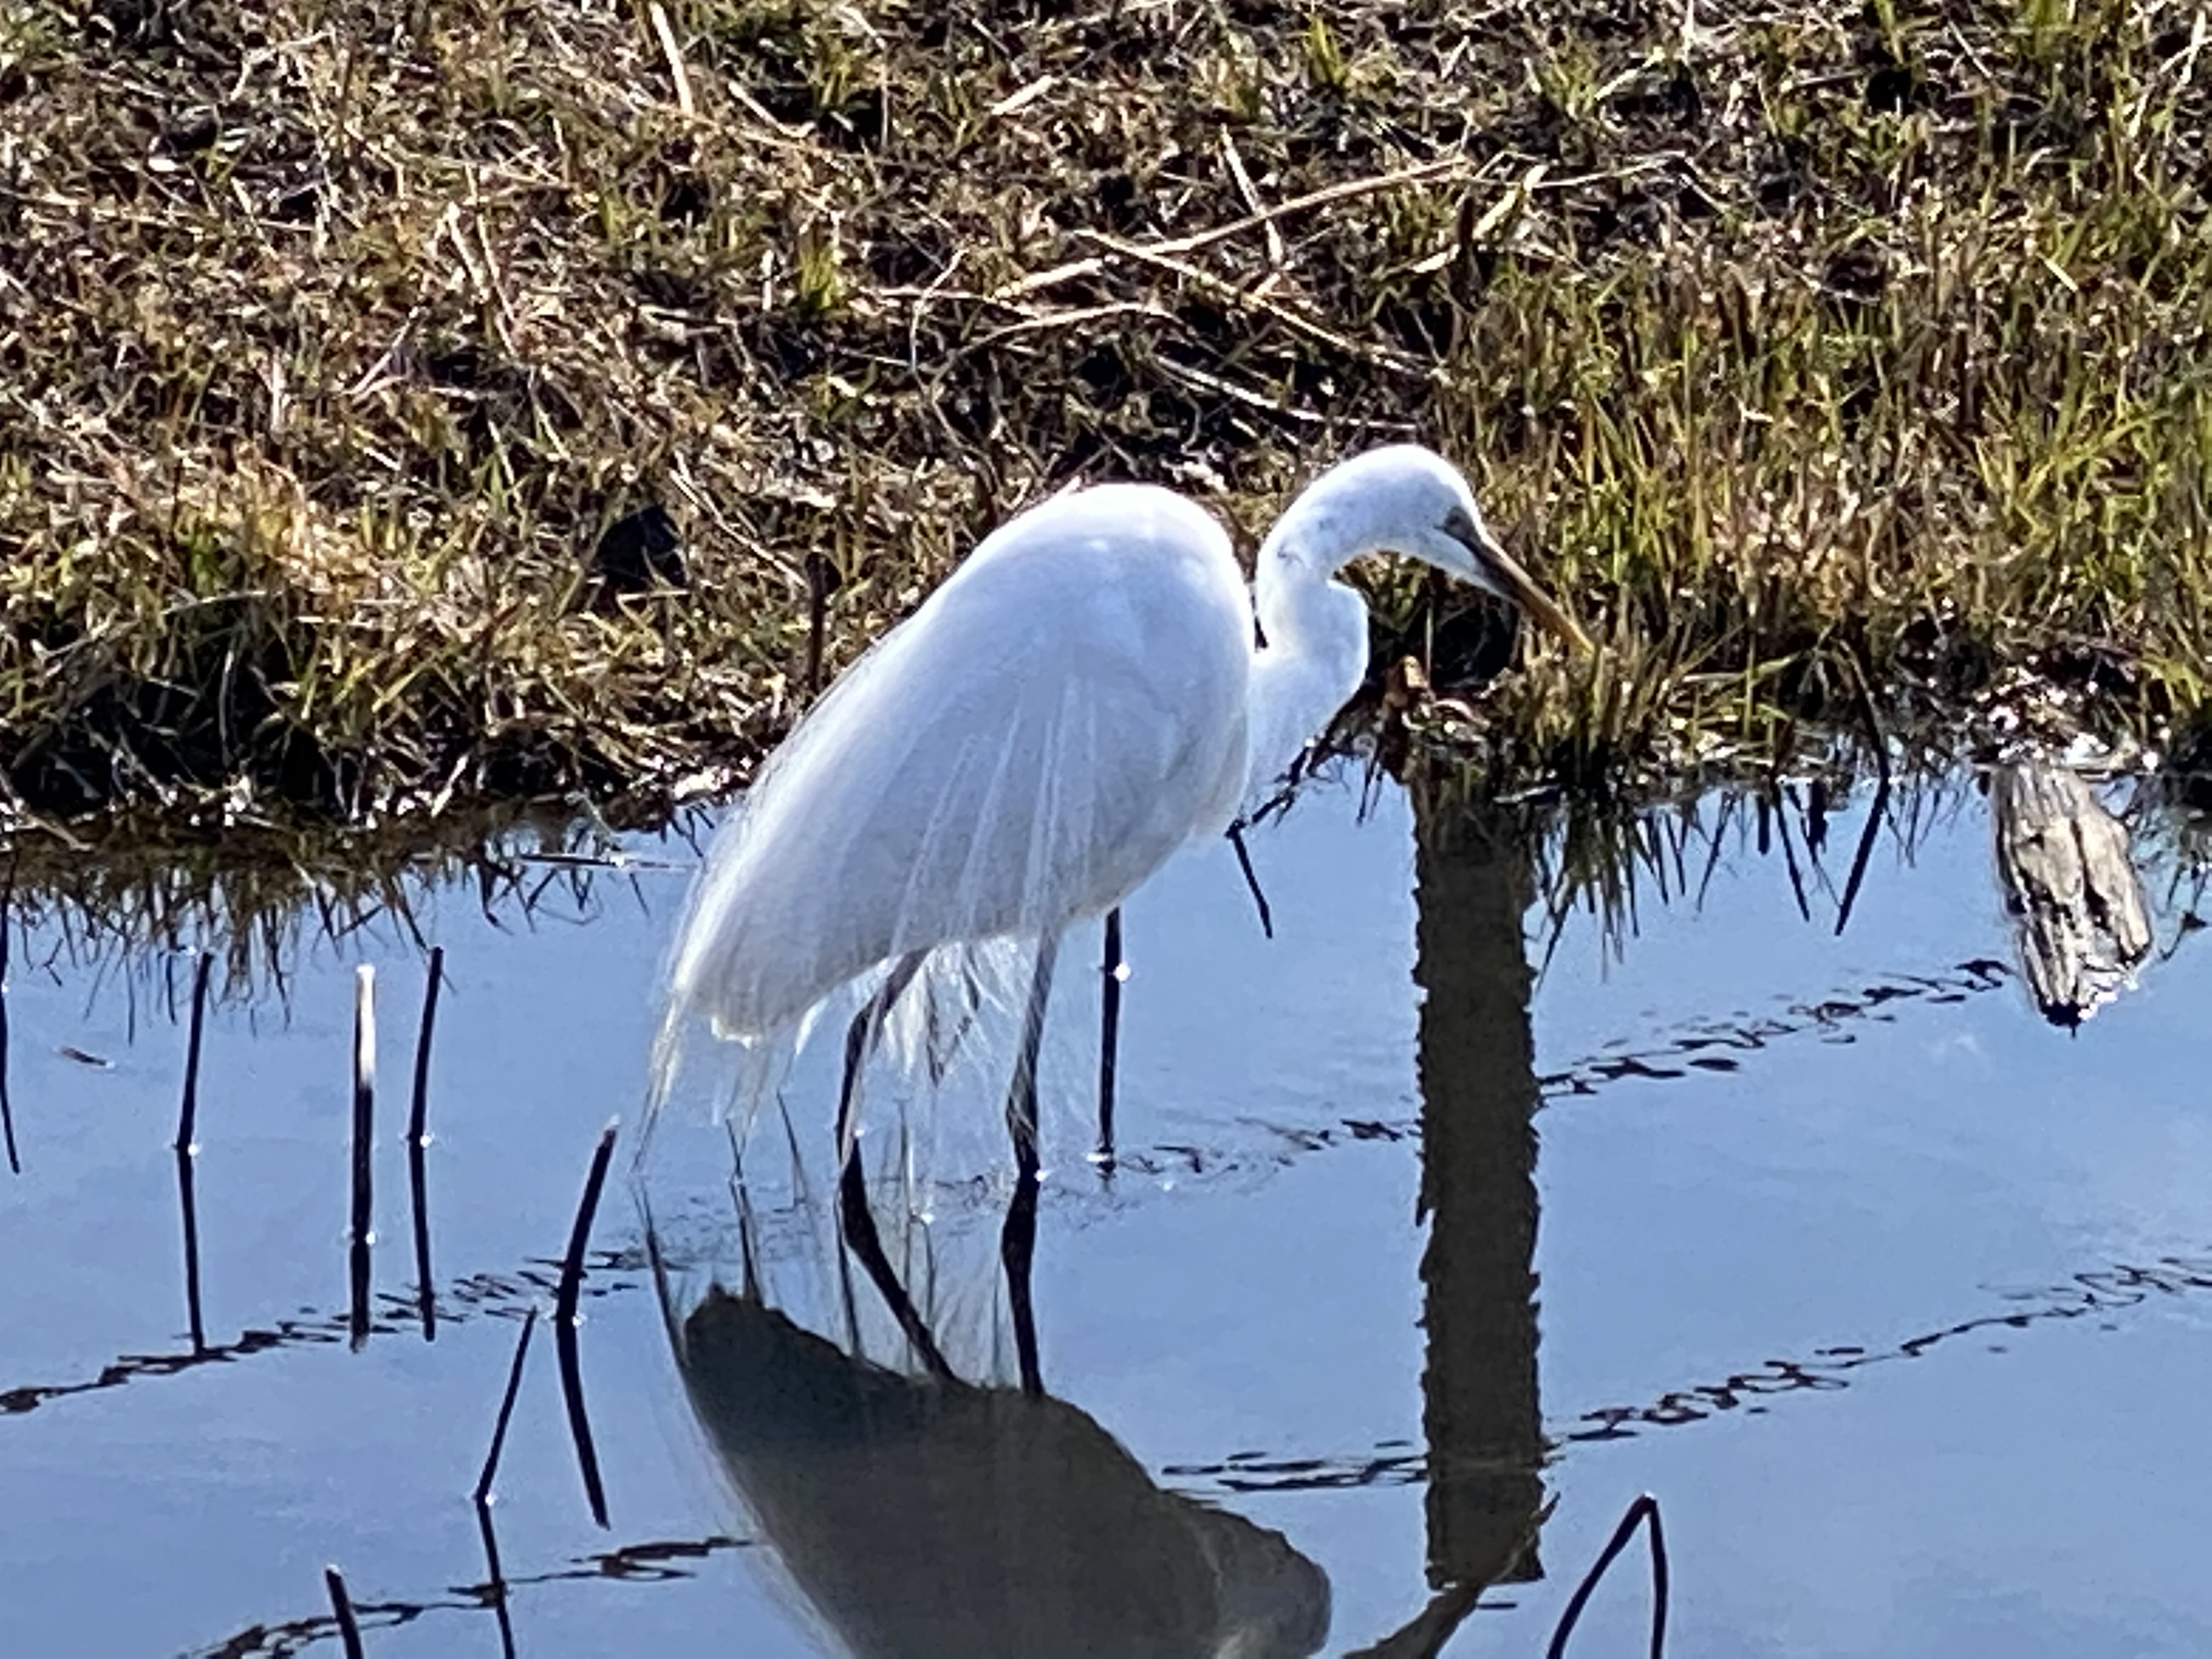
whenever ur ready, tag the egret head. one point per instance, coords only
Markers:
(1405, 499)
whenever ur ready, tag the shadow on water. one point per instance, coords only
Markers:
(963, 1514)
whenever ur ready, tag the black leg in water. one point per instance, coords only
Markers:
(861, 1037)
(862, 1238)
(856, 1219)
(1017, 1240)
(1112, 971)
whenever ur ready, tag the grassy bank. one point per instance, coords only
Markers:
(1832, 363)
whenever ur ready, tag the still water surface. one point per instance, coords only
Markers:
(1896, 1297)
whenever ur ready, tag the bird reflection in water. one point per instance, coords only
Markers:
(929, 1516)
(923, 1514)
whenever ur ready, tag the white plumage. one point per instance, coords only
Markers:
(1045, 732)
(1078, 700)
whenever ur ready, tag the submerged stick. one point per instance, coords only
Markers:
(188, 1109)
(364, 1131)
(482, 1497)
(418, 1141)
(1112, 971)
(342, 1605)
(564, 1322)
(6, 1106)
(1644, 1509)
(497, 1583)
(187, 1148)
(188, 1207)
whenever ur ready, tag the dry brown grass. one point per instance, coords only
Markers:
(1782, 338)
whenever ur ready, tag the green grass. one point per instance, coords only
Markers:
(1795, 348)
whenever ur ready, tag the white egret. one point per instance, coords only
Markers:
(1078, 701)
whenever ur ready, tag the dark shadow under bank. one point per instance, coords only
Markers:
(258, 893)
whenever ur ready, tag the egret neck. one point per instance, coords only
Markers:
(1316, 629)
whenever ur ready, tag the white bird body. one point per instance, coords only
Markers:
(1080, 699)
(1047, 729)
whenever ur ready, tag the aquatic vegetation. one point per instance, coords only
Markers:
(138, 900)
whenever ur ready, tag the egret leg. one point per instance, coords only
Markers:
(857, 1220)
(1017, 1241)
(1110, 1036)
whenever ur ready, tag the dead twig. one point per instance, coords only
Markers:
(1348, 190)
(673, 54)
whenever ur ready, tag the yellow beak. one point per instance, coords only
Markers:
(1518, 585)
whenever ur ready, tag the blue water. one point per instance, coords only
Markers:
(1774, 1295)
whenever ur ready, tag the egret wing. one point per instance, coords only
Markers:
(1029, 746)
